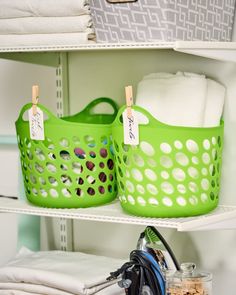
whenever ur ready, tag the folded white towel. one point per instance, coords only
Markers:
(158, 75)
(112, 290)
(17, 292)
(72, 272)
(170, 75)
(45, 25)
(32, 289)
(184, 99)
(40, 40)
(174, 99)
(27, 8)
(108, 291)
(214, 103)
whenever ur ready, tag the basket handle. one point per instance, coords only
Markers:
(50, 117)
(152, 122)
(89, 108)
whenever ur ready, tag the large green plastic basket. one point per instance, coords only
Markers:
(173, 172)
(74, 166)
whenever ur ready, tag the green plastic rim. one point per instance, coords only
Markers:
(74, 166)
(173, 172)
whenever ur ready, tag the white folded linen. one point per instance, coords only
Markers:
(31, 288)
(112, 290)
(25, 289)
(170, 75)
(214, 103)
(72, 272)
(182, 99)
(17, 292)
(45, 25)
(41, 40)
(27, 8)
(174, 99)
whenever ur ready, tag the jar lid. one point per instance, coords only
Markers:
(188, 271)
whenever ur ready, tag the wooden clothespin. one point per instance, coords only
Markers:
(129, 100)
(35, 98)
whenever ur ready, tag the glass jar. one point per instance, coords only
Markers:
(188, 282)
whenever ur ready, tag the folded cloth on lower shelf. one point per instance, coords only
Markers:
(27, 8)
(29, 289)
(32, 289)
(45, 25)
(17, 292)
(42, 40)
(59, 273)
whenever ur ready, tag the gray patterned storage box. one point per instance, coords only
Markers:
(163, 20)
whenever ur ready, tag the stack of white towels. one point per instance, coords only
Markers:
(45, 22)
(59, 273)
(182, 99)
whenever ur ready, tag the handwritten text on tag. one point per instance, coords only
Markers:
(36, 124)
(131, 130)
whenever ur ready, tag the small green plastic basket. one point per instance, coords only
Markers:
(173, 172)
(74, 166)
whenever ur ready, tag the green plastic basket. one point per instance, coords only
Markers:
(173, 172)
(74, 166)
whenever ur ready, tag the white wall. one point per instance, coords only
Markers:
(16, 80)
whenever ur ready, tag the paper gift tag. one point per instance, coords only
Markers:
(36, 124)
(130, 125)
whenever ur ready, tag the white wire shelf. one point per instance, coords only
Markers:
(89, 46)
(225, 51)
(223, 217)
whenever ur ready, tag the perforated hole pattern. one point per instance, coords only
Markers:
(177, 178)
(68, 172)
